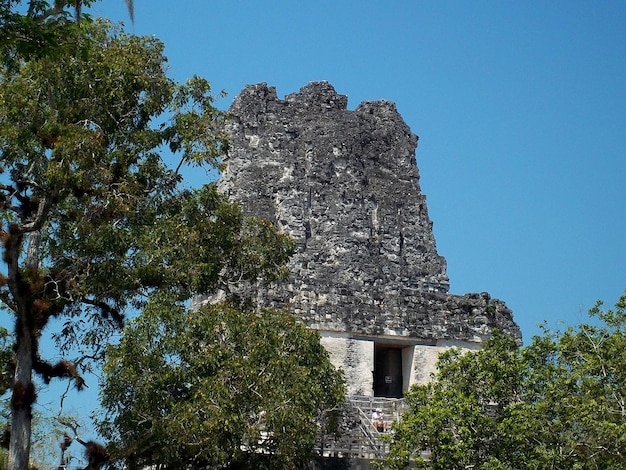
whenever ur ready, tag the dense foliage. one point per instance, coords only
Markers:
(559, 403)
(92, 219)
(217, 388)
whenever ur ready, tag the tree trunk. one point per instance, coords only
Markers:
(22, 396)
(23, 389)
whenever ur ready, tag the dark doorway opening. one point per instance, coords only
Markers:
(387, 371)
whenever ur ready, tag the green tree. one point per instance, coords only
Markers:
(92, 220)
(558, 403)
(455, 421)
(575, 393)
(217, 388)
(38, 28)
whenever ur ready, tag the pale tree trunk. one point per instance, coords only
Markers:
(21, 409)
(23, 390)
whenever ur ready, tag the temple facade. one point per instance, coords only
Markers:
(345, 185)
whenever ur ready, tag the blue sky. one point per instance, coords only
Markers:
(520, 108)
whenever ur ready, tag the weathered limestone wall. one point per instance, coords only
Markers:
(345, 185)
(425, 358)
(355, 357)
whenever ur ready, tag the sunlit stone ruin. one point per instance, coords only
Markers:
(345, 185)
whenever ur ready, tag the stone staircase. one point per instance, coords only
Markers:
(358, 438)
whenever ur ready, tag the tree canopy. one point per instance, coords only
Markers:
(217, 388)
(556, 403)
(93, 220)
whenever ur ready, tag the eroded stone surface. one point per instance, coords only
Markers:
(345, 185)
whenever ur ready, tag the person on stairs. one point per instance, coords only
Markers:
(378, 420)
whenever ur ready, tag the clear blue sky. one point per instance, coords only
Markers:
(520, 107)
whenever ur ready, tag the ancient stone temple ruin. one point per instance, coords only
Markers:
(345, 185)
